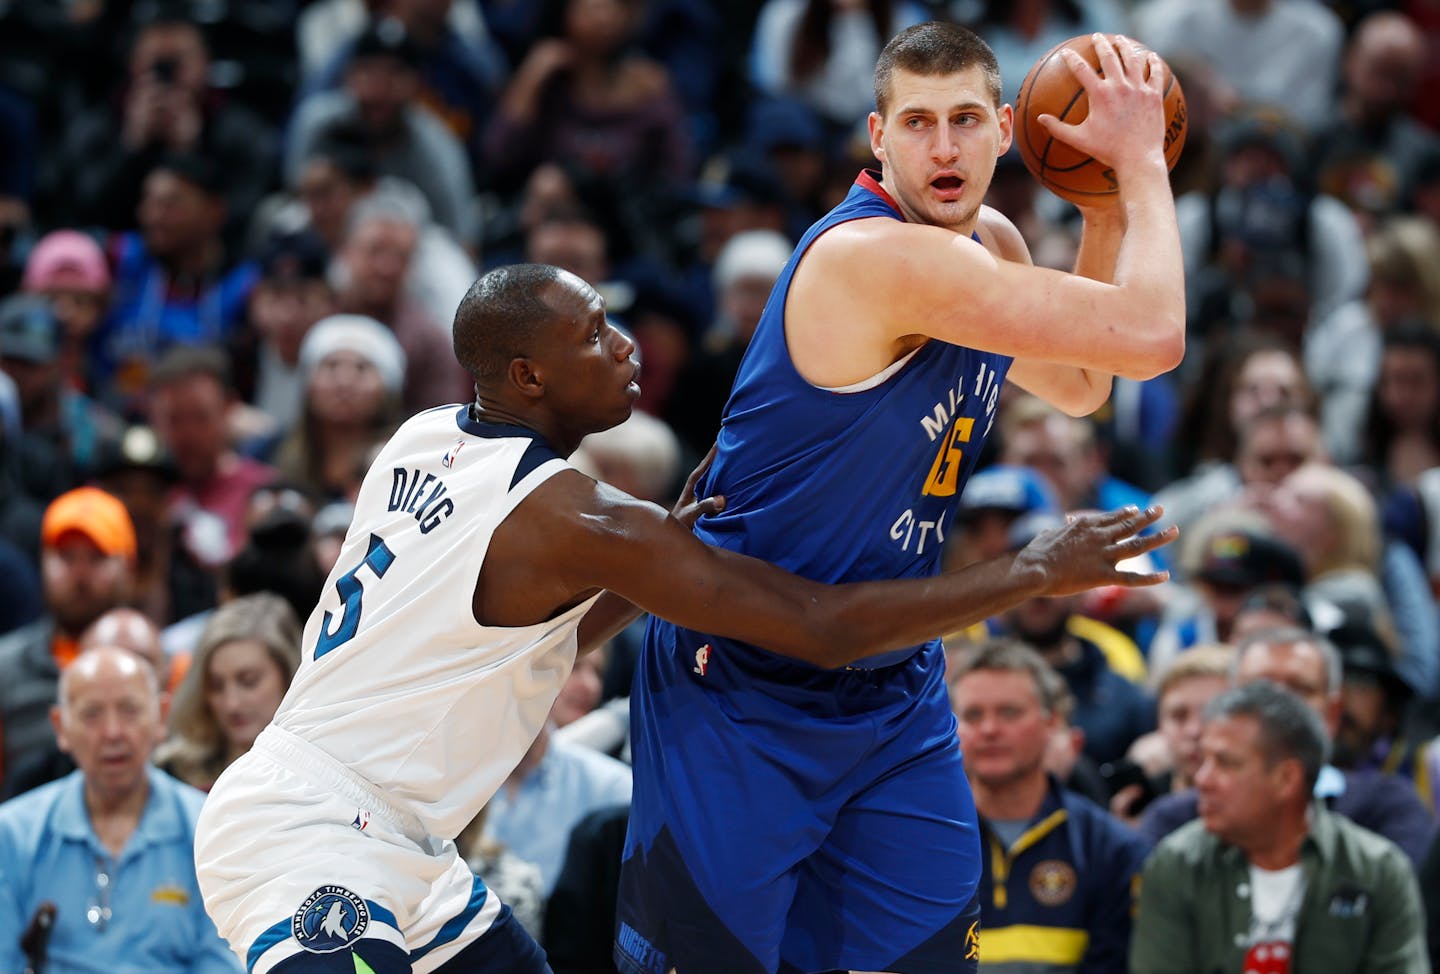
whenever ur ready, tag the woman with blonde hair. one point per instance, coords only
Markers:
(242, 666)
(1330, 517)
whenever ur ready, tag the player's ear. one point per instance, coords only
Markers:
(877, 129)
(1007, 129)
(526, 376)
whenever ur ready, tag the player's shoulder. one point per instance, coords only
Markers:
(572, 499)
(862, 248)
(999, 235)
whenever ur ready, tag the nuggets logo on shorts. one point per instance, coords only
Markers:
(330, 919)
(1052, 882)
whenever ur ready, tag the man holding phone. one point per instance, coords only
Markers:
(166, 106)
(1058, 873)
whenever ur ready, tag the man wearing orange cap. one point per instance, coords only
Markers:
(87, 561)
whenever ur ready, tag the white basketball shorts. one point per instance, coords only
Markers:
(296, 853)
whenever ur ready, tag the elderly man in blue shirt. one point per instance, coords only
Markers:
(110, 845)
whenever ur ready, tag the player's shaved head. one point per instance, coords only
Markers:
(503, 312)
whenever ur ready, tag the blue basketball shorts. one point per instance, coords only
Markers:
(791, 819)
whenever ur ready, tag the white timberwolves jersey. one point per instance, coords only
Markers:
(397, 681)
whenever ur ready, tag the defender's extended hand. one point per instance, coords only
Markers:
(1083, 553)
(689, 508)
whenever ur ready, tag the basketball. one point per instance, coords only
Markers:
(1051, 89)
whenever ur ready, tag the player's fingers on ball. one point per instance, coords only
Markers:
(1124, 52)
(1155, 70)
(1137, 61)
(1079, 67)
(1109, 57)
(1054, 126)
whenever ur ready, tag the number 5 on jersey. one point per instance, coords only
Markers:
(378, 559)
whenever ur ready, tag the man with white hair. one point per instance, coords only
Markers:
(108, 846)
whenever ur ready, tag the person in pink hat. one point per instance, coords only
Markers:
(69, 268)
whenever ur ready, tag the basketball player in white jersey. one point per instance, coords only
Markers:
(478, 562)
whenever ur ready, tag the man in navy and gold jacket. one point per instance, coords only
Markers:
(1059, 879)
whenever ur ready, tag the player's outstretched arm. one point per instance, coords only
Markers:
(605, 539)
(612, 613)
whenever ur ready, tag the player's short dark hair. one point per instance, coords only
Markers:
(934, 48)
(500, 315)
(1289, 728)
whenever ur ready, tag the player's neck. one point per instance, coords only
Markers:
(485, 410)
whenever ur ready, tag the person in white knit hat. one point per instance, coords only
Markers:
(354, 378)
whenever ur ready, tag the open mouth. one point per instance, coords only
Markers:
(948, 185)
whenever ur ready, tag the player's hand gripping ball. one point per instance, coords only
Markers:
(1051, 89)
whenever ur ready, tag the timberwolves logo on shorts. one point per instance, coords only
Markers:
(331, 918)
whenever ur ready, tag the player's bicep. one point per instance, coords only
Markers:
(949, 287)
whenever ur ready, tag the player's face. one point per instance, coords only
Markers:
(1004, 730)
(592, 375)
(937, 145)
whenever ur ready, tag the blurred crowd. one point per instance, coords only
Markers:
(233, 236)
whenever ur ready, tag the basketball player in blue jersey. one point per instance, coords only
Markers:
(478, 562)
(789, 818)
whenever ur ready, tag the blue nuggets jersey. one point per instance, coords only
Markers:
(851, 484)
(859, 848)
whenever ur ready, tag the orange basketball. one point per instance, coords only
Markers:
(1051, 89)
